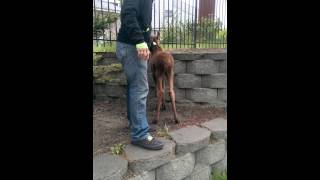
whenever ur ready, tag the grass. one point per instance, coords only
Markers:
(219, 175)
(107, 47)
(111, 47)
(117, 149)
(164, 132)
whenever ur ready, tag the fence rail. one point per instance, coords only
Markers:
(182, 23)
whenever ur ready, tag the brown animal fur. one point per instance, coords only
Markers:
(162, 64)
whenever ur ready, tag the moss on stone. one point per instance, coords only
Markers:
(99, 71)
(96, 58)
(107, 74)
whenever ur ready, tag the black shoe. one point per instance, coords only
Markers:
(149, 143)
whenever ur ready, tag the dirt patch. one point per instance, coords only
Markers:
(110, 125)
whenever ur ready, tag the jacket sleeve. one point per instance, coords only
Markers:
(129, 14)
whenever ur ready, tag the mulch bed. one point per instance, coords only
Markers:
(110, 125)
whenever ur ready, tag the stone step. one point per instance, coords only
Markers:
(109, 167)
(200, 172)
(174, 171)
(190, 139)
(211, 154)
(141, 160)
(148, 175)
(221, 165)
(218, 128)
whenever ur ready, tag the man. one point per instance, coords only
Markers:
(132, 50)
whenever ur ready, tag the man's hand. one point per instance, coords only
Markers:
(144, 54)
(143, 51)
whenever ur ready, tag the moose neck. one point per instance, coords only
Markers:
(156, 49)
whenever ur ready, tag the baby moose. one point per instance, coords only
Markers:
(162, 64)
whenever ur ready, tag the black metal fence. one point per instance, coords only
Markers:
(182, 23)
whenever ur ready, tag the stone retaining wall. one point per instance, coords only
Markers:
(192, 154)
(200, 77)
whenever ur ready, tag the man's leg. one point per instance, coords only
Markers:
(121, 52)
(136, 73)
(138, 92)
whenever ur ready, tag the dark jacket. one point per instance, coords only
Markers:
(136, 16)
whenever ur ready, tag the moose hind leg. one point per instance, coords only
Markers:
(159, 99)
(163, 105)
(173, 96)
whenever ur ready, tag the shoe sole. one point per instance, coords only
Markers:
(149, 148)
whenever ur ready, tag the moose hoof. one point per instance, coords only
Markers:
(177, 120)
(154, 122)
(163, 107)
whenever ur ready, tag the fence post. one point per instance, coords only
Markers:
(195, 26)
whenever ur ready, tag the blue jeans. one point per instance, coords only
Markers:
(137, 89)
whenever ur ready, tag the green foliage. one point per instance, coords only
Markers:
(169, 35)
(219, 175)
(164, 132)
(102, 22)
(107, 47)
(222, 35)
(117, 149)
(207, 31)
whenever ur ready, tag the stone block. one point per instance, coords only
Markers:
(211, 154)
(218, 128)
(176, 169)
(190, 139)
(109, 167)
(141, 160)
(201, 94)
(187, 81)
(218, 80)
(203, 66)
